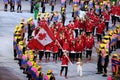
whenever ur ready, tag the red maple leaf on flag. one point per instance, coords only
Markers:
(42, 36)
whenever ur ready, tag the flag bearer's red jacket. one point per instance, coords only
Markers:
(65, 60)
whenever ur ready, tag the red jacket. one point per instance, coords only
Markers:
(89, 43)
(76, 23)
(65, 46)
(70, 39)
(81, 25)
(96, 20)
(71, 26)
(72, 47)
(56, 35)
(92, 40)
(114, 10)
(80, 46)
(61, 28)
(89, 26)
(83, 37)
(91, 15)
(100, 28)
(55, 47)
(118, 10)
(48, 47)
(65, 60)
(69, 36)
(106, 16)
(61, 40)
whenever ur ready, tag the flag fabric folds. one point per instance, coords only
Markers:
(42, 38)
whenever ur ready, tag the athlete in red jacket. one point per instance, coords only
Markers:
(65, 45)
(89, 46)
(71, 25)
(100, 30)
(106, 15)
(61, 27)
(89, 27)
(81, 25)
(118, 13)
(65, 60)
(113, 11)
(79, 48)
(83, 36)
(55, 50)
(76, 25)
(47, 52)
(72, 50)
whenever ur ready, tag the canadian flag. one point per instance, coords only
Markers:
(42, 38)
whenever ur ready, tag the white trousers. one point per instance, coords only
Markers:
(79, 70)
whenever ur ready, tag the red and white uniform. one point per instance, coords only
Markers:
(100, 28)
(61, 28)
(60, 39)
(65, 46)
(118, 11)
(81, 25)
(114, 10)
(70, 39)
(106, 16)
(72, 48)
(80, 46)
(71, 26)
(56, 35)
(91, 14)
(76, 23)
(55, 47)
(65, 60)
(48, 48)
(96, 20)
(89, 43)
(89, 26)
(83, 37)
(69, 34)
